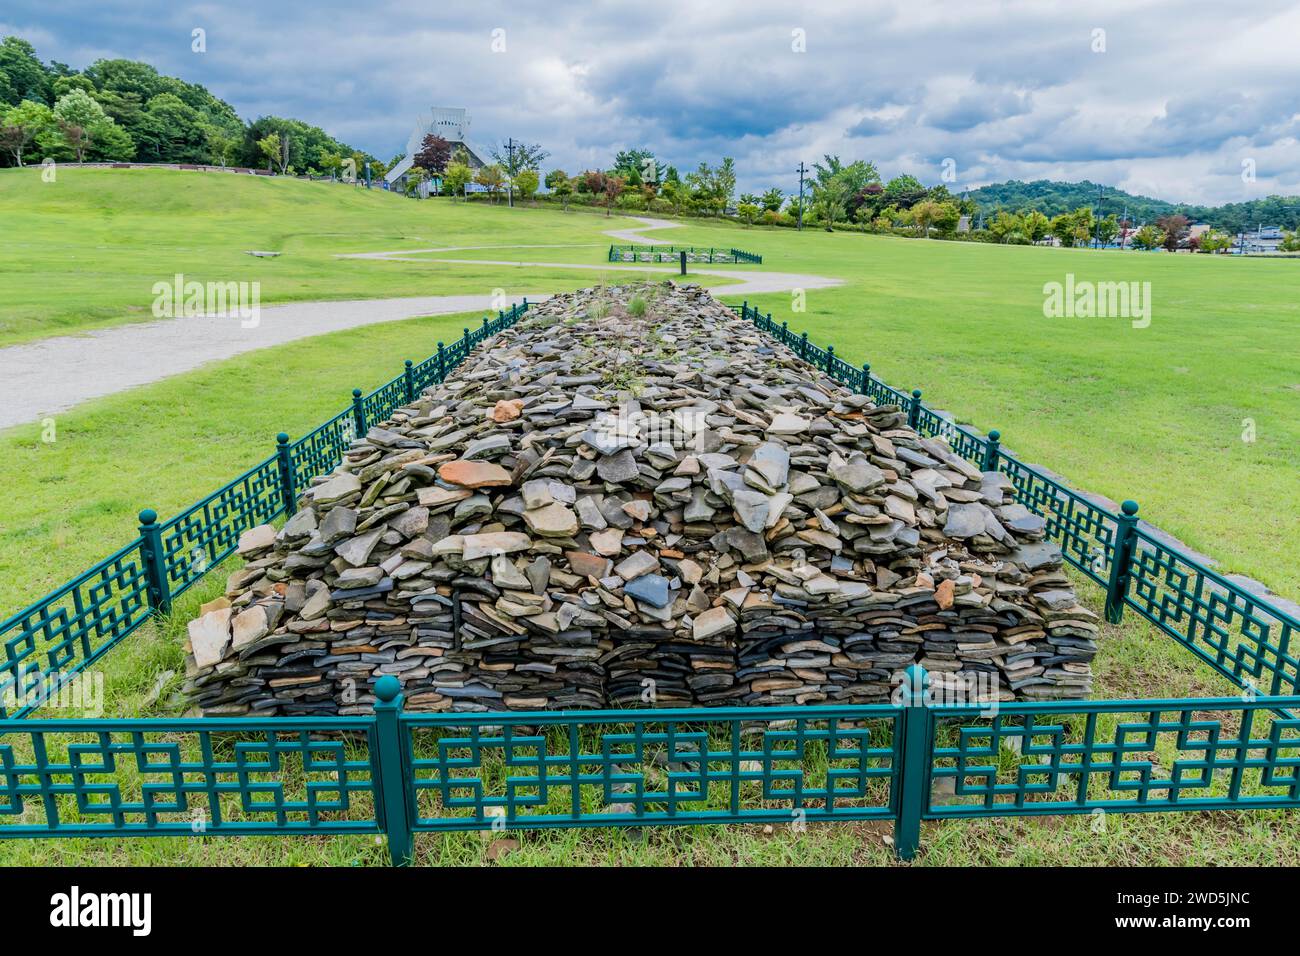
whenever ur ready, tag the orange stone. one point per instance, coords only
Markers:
(507, 410)
(943, 594)
(474, 474)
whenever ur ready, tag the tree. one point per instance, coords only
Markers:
(332, 163)
(1008, 227)
(830, 202)
(1036, 226)
(526, 182)
(748, 212)
(221, 145)
(23, 75)
(269, 147)
(172, 131)
(1174, 227)
(456, 177)
(1107, 229)
(638, 162)
(558, 182)
(613, 188)
(1148, 237)
(434, 154)
(415, 177)
(21, 124)
(81, 119)
(948, 218)
(1290, 242)
(492, 178)
(924, 215)
(1213, 241)
(772, 199)
(904, 191)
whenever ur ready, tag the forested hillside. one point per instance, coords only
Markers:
(1054, 198)
(119, 110)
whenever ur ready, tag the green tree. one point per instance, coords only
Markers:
(1036, 225)
(221, 145)
(1107, 229)
(172, 131)
(269, 147)
(924, 215)
(415, 176)
(559, 183)
(526, 182)
(1214, 241)
(81, 119)
(491, 177)
(456, 177)
(21, 124)
(947, 218)
(772, 199)
(1148, 237)
(748, 212)
(904, 191)
(24, 78)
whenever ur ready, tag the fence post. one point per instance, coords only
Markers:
(683, 263)
(914, 409)
(913, 776)
(866, 378)
(803, 346)
(389, 751)
(442, 362)
(358, 413)
(151, 556)
(410, 381)
(830, 360)
(286, 472)
(1121, 561)
(991, 450)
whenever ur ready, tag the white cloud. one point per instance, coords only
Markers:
(1183, 92)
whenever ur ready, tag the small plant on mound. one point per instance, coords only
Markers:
(636, 307)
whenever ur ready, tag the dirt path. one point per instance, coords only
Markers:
(52, 375)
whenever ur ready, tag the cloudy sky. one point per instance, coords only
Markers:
(1158, 97)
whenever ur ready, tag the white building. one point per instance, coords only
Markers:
(449, 122)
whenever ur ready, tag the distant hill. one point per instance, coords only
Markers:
(1052, 198)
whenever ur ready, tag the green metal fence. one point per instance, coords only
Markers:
(401, 773)
(71, 627)
(666, 253)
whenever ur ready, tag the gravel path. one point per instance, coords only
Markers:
(52, 375)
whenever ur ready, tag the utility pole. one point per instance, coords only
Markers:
(1096, 228)
(802, 169)
(510, 174)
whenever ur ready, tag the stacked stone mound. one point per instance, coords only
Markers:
(636, 498)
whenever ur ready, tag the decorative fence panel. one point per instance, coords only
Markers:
(71, 627)
(617, 768)
(667, 253)
(1086, 756)
(206, 776)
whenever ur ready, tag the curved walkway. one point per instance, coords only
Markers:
(52, 375)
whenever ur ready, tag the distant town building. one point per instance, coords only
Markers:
(452, 124)
(1263, 239)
